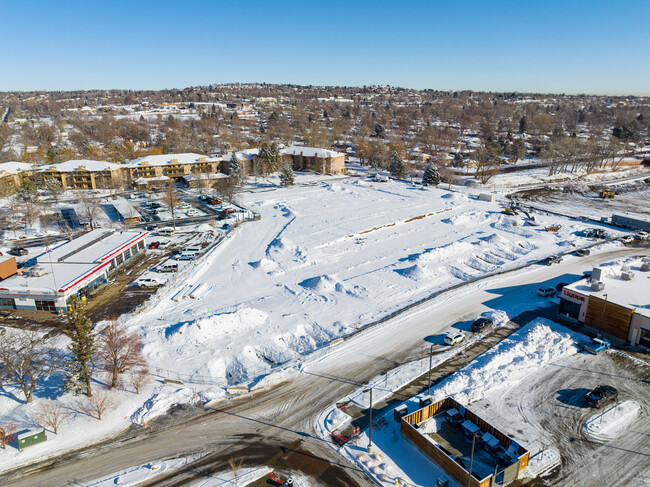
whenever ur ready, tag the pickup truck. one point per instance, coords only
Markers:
(596, 345)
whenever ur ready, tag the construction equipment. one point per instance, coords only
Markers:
(509, 211)
(518, 208)
(607, 194)
(553, 228)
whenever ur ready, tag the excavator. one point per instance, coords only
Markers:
(514, 209)
(607, 194)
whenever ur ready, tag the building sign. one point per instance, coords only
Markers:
(570, 295)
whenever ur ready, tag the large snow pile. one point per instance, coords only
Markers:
(539, 343)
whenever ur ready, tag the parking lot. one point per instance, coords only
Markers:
(549, 409)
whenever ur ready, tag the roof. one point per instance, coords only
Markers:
(631, 294)
(14, 167)
(73, 165)
(71, 263)
(242, 155)
(194, 177)
(148, 180)
(165, 159)
(297, 150)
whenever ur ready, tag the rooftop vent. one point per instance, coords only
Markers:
(625, 268)
(37, 271)
(597, 285)
(627, 276)
(645, 267)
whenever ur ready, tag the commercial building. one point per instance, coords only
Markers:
(324, 161)
(12, 174)
(613, 302)
(78, 267)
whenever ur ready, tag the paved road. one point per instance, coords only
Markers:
(285, 414)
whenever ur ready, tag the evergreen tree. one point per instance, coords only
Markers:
(286, 176)
(431, 176)
(458, 160)
(236, 170)
(522, 125)
(397, 167)
(82, 348)
(270, 154)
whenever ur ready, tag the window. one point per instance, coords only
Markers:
(7, 303)
(141, 245)
(569, 308)
(127, 254)
(644, 341)
(119, 260)
(45, 305)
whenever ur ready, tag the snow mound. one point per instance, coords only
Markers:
(265, 265)
(612, 421)
(444, 252)
(204, 227)
(455, 197)
(162, 400)
(539, 343)
(335, 419)
(319, 284)
(470, 217)
(416, 272)
(217, 325)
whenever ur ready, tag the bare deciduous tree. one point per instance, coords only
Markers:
(119, 351)
(98, 404)
(25, 358)
(8, 433)
(235, 466)
(139, 378)
(52, 415)
(89, 208)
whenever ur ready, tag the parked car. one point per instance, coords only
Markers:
(601, 395)
(454, 338)
(626, 239)
(596, 345)
(215, 202)
(167, 267)
(481, 324)
(546, 291)
(581, 252)
(553, 259)
(153, 245)
(19, 251)
(228, 211)
(642, 236)
(148, 282)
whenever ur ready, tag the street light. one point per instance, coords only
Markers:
(430, 356)
(369, 449)
(602, 317)
(471, 460)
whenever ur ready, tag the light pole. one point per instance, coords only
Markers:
(602, 317)
(430, 356)
(471, 461)
(369, 449)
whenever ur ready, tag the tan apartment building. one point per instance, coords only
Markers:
(313, 159)
(85, 174)
(12, 174)
(173, 166)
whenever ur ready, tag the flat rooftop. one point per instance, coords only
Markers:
(632, 294)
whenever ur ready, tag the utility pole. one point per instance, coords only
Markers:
(602, 317)
(471, 461)
(430, 357)
(369, 449)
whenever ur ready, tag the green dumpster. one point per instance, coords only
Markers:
(30, 437)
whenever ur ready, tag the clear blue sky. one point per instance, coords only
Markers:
(544, 46)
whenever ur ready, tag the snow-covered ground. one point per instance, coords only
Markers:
(612, 421)
(324, 261)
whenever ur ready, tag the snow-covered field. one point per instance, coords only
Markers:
(324, 261)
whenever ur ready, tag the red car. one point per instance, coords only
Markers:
(154, 245)
(227, 211)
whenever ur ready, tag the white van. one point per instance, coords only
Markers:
(168, 267)
(165, 231)
(191, 249)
